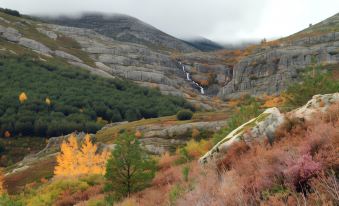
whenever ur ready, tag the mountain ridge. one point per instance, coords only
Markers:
(123, 28)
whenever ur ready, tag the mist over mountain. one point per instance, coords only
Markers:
(105, 109)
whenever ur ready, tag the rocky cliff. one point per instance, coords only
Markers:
(271, 67)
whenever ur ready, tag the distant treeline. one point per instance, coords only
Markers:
(62, 99)
(10, 12)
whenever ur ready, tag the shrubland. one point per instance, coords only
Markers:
(299, 168)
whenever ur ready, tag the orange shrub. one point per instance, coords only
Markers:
(166, 160)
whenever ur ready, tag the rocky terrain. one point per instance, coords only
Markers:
(271, 67)
(266, 124)
(122, 46)
(126, 29)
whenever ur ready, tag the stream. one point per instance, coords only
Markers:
(189, 79)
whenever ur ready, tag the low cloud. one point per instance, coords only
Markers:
(225, 21)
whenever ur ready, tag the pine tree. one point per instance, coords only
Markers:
(129, 168)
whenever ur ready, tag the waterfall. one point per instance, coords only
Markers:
(202, 91)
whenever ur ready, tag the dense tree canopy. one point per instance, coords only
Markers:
(60, 99)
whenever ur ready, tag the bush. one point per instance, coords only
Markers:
(184, 115)
(185, 173)
(313, 81)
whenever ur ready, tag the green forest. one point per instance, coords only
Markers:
(60, 99)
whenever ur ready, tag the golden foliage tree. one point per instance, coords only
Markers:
(74, 161)
(48, 101)
(67, 160)
(90, 161)
(23, 97)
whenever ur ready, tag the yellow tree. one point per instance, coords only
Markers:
(67, 160)
(73, 161)
(48, 101)
(22, 97)
(90, 161)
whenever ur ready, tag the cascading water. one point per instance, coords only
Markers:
(189, 79)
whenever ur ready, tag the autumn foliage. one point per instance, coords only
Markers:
(2, 189)
(22, 97)
(74, 160)
(299, 168)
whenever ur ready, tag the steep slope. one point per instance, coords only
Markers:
(125, 28)
(97, 53)
(204, 44)
(273, 65)
(49, 69)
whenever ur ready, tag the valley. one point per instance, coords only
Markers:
(205, 125)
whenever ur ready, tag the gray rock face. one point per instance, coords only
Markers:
(158, 139)
(10, 34)
(50, 34)
(127, 29)
(271, 70)
(131, 61)
(67, 56)
(258, 128)
(34, 45)
(265, 125)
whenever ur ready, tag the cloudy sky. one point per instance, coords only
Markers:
(223, 21)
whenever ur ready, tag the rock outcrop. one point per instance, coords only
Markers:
(269, 69)
(130, 61)
(127, 29)
(159, 139)
(265, 125)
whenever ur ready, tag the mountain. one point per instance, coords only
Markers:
(204, 44)
(270, 67)
(124, 28)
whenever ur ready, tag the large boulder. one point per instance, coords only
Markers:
(10, 34)
(265, 125)
(257, 128)
(316, 104)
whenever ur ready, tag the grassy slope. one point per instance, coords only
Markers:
(29, 31)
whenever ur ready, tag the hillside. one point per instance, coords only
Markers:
(108, 110)
(124, 28)
(270, 67)
(204, 44)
